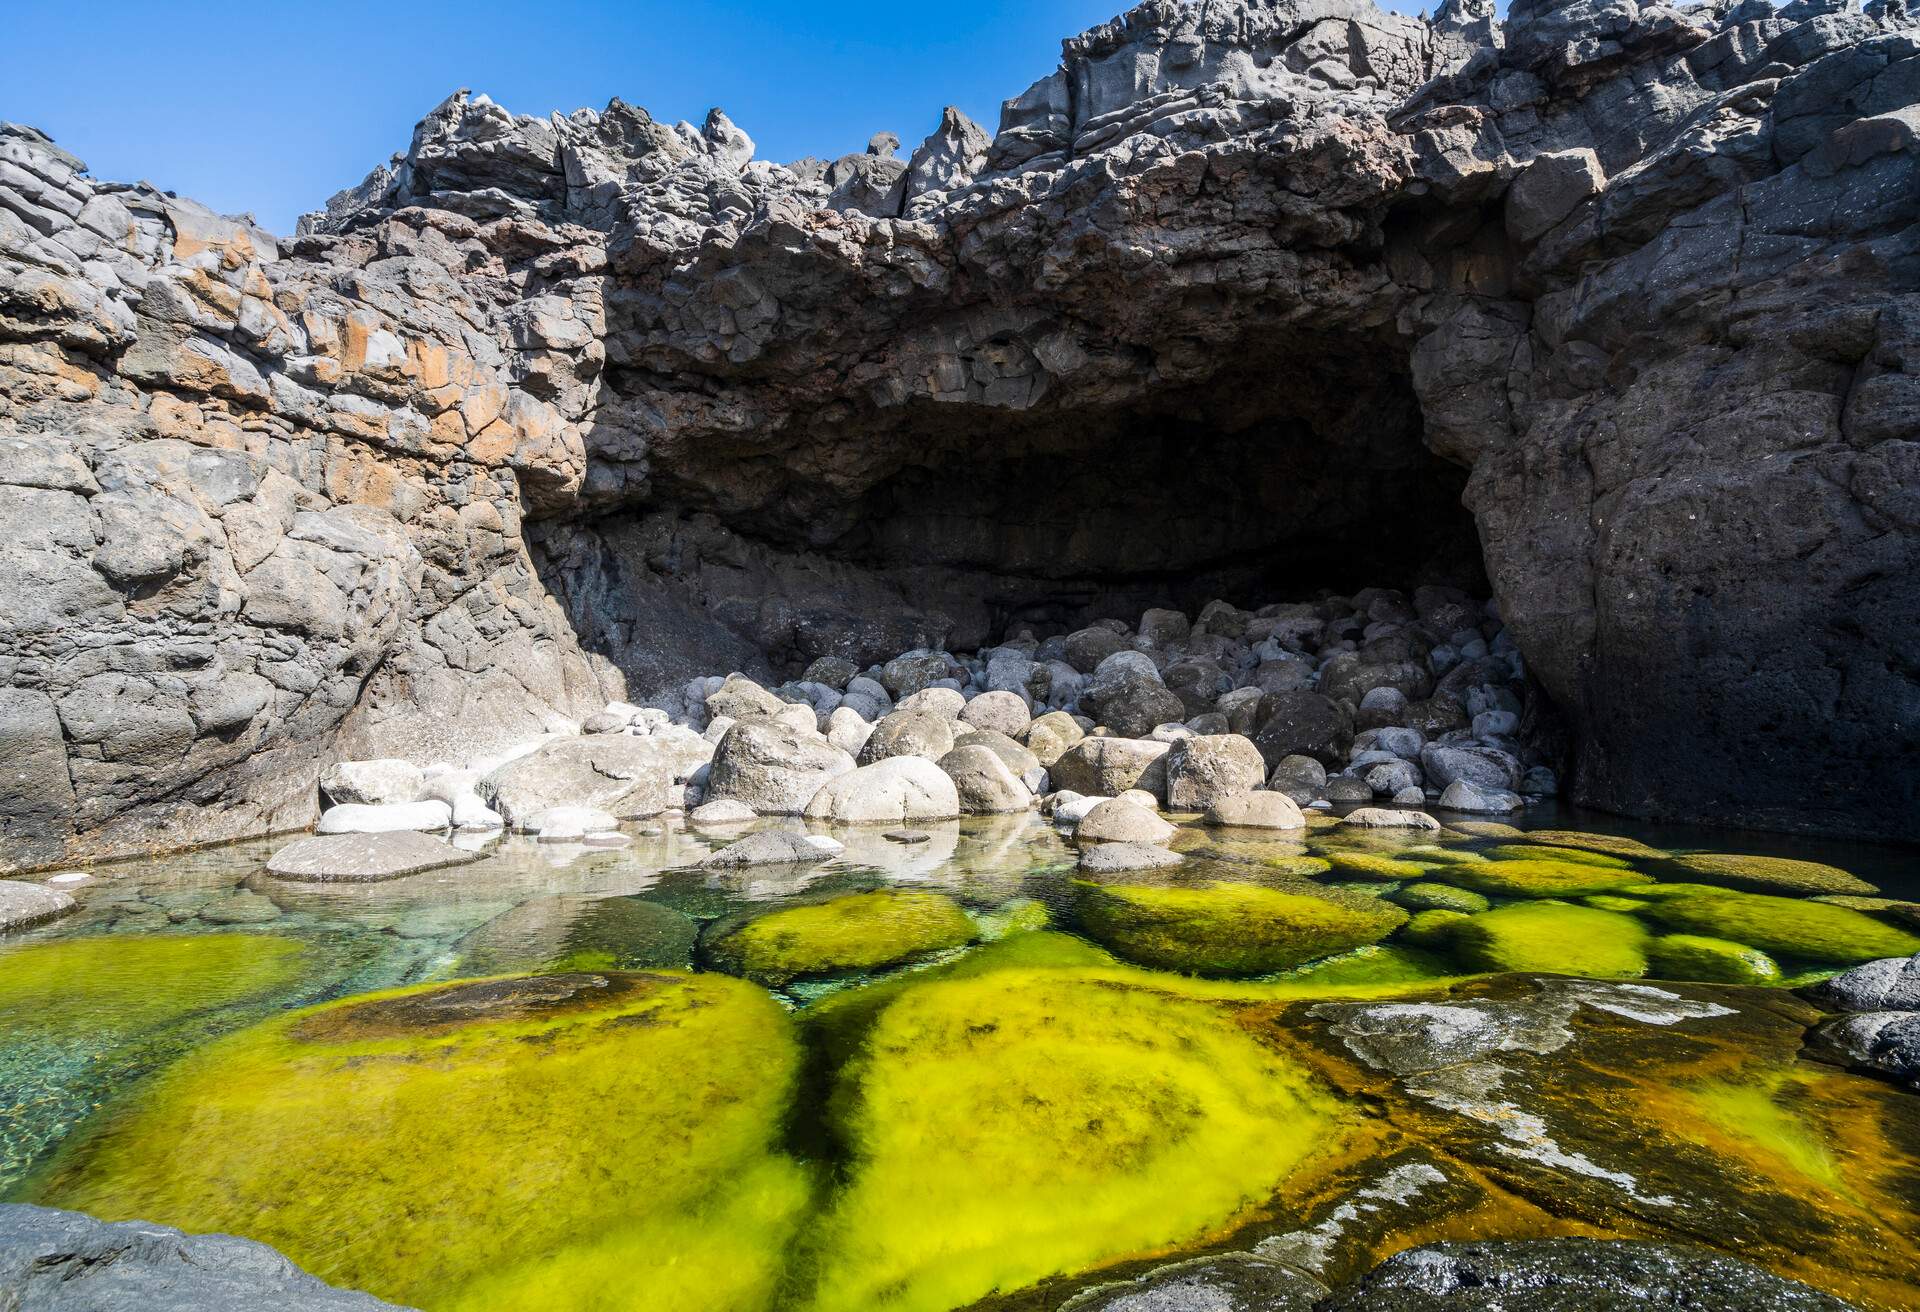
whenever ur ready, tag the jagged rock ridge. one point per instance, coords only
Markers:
(1241, 298)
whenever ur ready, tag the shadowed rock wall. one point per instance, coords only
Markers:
(1233, 302)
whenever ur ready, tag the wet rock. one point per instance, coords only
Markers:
(776, 847)
(373, 783)
(239, 908)
(857, 931)
(1460, 795)
(1554, 936)
(1208, 1284)
(773, 768)
(1889, 984)
(1117, 858)
(1574, 1275)
(395, 817)
(23, 904)
(1781, 926)
(1230, 929)
(1887, 1041)
(361, 858)
(56, 1261)
(1717, 960)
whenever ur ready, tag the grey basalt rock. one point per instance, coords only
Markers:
(553, 412)
(56, 1261)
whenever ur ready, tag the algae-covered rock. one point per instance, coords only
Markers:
(1769, 874)
(1431, 895)
(1716, 960)
(1231, 929)
(1548, 852)
(1554, 937)
(1433, 929)
(1021, 1124)
(1379, 963)
(1613, 902)
(1374, 865)
(1611, 844)
(855, 931)
(1539, 878)
(1782, 926)
(523, 1142)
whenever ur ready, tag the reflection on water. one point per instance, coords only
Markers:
(921, 1075)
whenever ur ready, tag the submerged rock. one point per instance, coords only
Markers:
(771, 847)
(1768, 874)
(57, 1261)
(1553, 936)
(856, 931)
(1782, 926)
(584, 1123)
(1230, 929)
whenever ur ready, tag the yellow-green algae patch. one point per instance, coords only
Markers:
(1783, 926)
(1548, 852)
(1522, 878)
(1716, 960)
(1610, 844)
(1021, 1124)
(1759, 1111)
(554, 1142)
(1771, 874)
(1375, 865)
(1553, 936)
(857, 931)
(134, 983)
(1221, 928)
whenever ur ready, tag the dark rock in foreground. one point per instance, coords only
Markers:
(54, 1261)
(1575, 1275)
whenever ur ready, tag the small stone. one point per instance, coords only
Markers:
(1257, 810)
(241, 908)
(906, 836)
(1115, 821)
(769, 848)
(725, 811)
(1380, 817)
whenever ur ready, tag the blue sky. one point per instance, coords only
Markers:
(271, 107)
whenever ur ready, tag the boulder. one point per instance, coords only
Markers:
(569, 824)
(1119, 821)
(630, 777)
(740, 698)
(1303, 724)
(1050, 735)
(908, 733)
(1107, 767)
(1380, 817)
(1256, 810)
(985, 784)
(395, 817)
(891, 791)
(1204, 769)
(943, 702)
(1117, 858)
(771, 847)
(1086, 648)
(725, 811)
(907, 674)
(364, 858)
(1463, 796)
(1889, 984)
(56, 1261)
(1482, 766)
(773, 768)
(372, 783)
(1002, 712)
(1127, 696)
(23, 904)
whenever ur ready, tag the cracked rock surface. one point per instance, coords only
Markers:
(1247, 295)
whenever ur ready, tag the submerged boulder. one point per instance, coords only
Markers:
(853, 932)
(1554, 936)
(1231, 929)
(525, 1109)
(1782, 926)
(1767, 874)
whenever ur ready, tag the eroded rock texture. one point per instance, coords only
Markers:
(1240, 300)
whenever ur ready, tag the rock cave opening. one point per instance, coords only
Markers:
(1295, 468)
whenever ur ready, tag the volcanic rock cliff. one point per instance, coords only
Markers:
(1250, 297)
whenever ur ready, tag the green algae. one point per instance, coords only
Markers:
(1759, 1112)
(1519, 878)
(852, 932)
(1613, 902)
(1716, 960)
(1021, 1124)
(1555, 937)
(1564, 855)
(69, 987)
(1781, 926)
(1022, 915)
(1768, 874)
(1431, 895)
(1433, 929)
(553, 1142)
(1608, 844)
(1230, 929)
(1374, 865)
(1379, 963)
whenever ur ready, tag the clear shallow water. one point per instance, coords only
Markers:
(954, 1071)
